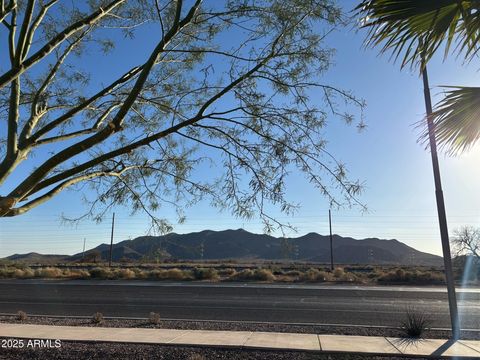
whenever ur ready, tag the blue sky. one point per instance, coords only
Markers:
(396, 169)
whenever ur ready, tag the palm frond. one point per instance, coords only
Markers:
(413, 30)
(456, 120)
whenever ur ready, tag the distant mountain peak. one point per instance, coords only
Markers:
(240, 244)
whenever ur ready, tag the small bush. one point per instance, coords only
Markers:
(415, 323)
(154, 318)
(17, 274)
(315, 275)
(49, 272)
(78, 274)
(311, 275)
(205, 274)
(227, 272)
(177, 274)
(100, 273)
(171, 274)
(412, 277)
(254, 275)
(28, 273)
(97, 318)
(139, 273)
(263, 275)
(245, 274)
(155, 274)
(125, 274)
(338, 273)
(4, 272)
(294, 273)
(21, 315)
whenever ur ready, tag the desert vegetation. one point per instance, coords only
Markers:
(286, 273)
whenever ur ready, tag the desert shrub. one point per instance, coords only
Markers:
(413, 277)
(315, 275)
(21, 315)
(17, 273)
(245, 274)
(324, 276)
(254, 275)
(140, 273)
(205, 274)
(78, 274)
(154, 318)
(155, 274)
(400, 273)
(294, 273)
(177, 274)
(263, 275)
(49, 272)
(338, 273)
(97, 318)
(125, 274)
(28, 273)
(172, 274)
(415, 323)
(276, 270)
(350, 277)
(310, 275)
(100, 273)
(227, 272)
(4, 273)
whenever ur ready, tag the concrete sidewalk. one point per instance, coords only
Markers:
(434, 348)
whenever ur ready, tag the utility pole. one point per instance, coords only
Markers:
(442, 217)
(111, 241)
(83, 252)
(331, 238)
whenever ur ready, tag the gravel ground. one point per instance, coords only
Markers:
(99, 350)
(238, 326)
(107, 351)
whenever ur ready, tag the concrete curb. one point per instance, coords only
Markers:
(368, 345)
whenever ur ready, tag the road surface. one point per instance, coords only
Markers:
(322, 304)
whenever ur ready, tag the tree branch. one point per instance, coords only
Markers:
(115, 124)
(36, 112)
(16, 71)
(82, 106)
(22, 38)
(5, 10)
(47, 196)
(36, 23)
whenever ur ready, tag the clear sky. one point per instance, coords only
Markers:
(397, 172)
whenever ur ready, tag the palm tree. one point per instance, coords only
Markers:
(413, 30)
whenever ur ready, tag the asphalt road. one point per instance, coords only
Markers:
(327, 304)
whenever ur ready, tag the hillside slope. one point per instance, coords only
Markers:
(240, 244)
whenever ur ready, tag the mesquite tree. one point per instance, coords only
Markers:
(225, 84)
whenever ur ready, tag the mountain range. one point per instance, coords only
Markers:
(243, 245)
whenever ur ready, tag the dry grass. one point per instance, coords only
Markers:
(254, 275)
(315, 275)
(49, 272)
(416, 277)
(381, 275)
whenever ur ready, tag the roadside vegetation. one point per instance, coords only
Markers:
(280, 273)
